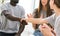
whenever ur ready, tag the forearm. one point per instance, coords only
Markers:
(36, 20)
(12, 18)
(7, 14)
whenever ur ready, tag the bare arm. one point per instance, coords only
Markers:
(10, 17)
(36, 20)
(40, 20)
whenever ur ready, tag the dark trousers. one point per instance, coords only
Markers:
(7, 34)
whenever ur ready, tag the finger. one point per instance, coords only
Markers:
(41, 28)
(53, 32)
(30, 14)
(47, 27)
(27, 15)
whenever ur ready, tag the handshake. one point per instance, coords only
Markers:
(22, 26)
(23, 22)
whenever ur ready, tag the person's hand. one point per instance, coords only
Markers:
(23, 21)
(45, 30)
(53, 32)
(22, 26)
(30, 15)
(26, 19)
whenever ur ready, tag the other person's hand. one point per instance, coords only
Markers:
(30, 15)
(46, 30)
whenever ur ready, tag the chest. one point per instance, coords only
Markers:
(43, 14)
(15, 11)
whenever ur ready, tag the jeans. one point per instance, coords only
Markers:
(7, 34)
(38, 33)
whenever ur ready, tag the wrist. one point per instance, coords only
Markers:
(19, 19)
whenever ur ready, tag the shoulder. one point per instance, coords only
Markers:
(5, 4)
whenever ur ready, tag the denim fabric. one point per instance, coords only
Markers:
(37, 33)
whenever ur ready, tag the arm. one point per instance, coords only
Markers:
(9, 16)
(40, 20)
(21, 28)
(23, 23)
(36, 20)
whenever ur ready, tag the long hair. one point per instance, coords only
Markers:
(49, 12)
(38, 11)
(57, 2)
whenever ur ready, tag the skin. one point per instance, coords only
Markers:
(44, 3)
(14, 2)
(45, 29)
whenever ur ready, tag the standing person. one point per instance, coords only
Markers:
(54, 19)
(13, 14)
(42, 12)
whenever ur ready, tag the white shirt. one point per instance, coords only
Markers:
(16, 11)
